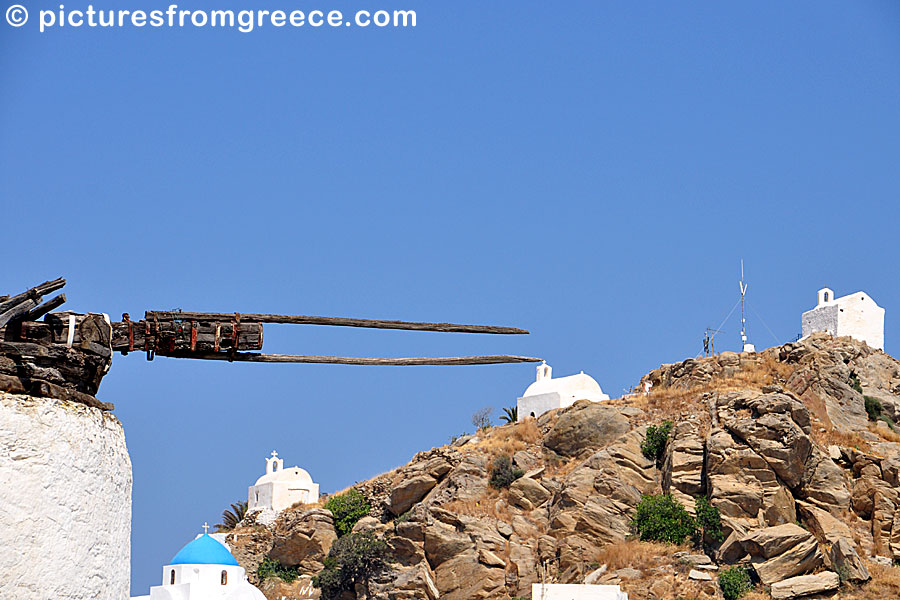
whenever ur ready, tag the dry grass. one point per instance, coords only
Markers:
(505, 440)
(636, 554)
(885, 583)
(486, 506)
(847, 439)
(675, 402)
(885, 434)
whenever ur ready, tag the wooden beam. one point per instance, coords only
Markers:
(353, 360)
(334, 321)
(43, 309)
(34, 294)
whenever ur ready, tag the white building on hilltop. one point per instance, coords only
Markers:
(281, 488)
(576, 591)
(855, 315)
(204, 569)
(547, 393)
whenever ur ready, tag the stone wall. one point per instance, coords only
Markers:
(65, 501)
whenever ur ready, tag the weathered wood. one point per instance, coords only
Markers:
(43, 309)
(18, 385)
(335, 321)
(169, 336)
(17, 311)
(80, 368)
(352, 360)
(33, 294)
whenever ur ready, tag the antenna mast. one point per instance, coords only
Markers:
(744, 345)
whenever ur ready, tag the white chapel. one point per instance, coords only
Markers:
(205, 569)
(855, 315)
(547, 393)
(281, 488)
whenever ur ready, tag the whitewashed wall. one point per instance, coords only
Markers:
(65, 501)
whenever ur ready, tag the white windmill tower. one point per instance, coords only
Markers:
(744, 345)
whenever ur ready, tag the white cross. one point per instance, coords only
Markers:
(205, 528)
(274, 454)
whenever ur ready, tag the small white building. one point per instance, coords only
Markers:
(281, 488)
(855, 315)
(576, 591)
(204, 569)
(547, 393)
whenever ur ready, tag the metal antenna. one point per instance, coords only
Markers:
(709, 341)
(745, 347)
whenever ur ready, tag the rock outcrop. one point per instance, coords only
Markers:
(65, 477)
(778, 441)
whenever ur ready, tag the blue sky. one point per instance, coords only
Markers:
(593, 172)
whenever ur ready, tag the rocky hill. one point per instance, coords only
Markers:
(805, 480)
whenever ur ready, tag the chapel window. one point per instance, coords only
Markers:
(224, 577)
(172, 578)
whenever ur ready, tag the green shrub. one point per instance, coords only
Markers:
(354, 558)
(654, 445)
(735, 582)
(708, 520)
(271, 568)
(503, 473)
(854, 383)
(662, 519)
(873, 407)
(875, 411)
(348, 508)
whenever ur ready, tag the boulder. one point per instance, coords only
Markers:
(410, 491)
(443, 542)
(413, 582)
(744, 486)
(489, 559)
(825, 526)
(682, 474)
(802, 558)
(823, 483)
(463, 577)
(767, 424)
(586, 426)
(467, 481)
(699, 575)
(303, 539)
(249, 546)
(528, 489)
(806, 585)
(845, 560)
(773, 541)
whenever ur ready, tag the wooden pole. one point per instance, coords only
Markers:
(34, 294)
(335, 321)
(352, 360)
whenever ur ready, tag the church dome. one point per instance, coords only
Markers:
(564, 385)
(295, 474)
(204, 551)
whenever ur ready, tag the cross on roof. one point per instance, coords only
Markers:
(274, 454)
(205, 528)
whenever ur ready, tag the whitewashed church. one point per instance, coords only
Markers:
(855, 315)
(281, 488)
(204, 569)
(547, 393)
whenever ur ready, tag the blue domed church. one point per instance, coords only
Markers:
(204, 569)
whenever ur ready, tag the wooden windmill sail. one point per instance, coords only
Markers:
(73, 351)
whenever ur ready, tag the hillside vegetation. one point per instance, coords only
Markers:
(772, 477)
